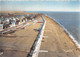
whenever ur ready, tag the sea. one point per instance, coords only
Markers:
(69, 21)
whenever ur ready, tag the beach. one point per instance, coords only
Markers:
(57, 42)
(40, 28)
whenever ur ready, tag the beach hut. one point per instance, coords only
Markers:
(2, 19)
(10, 18)
(12, 23)
(7, 20)
(32, 18)
(21, 19)
(1, 27)
(17, 21)
(14, 19)
(25, 19)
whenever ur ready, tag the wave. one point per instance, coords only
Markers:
(70, 35)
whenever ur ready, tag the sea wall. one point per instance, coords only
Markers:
(36, 46)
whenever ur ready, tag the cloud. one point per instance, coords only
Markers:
(39, 6)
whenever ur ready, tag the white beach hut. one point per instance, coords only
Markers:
(7, 20)
(26, 19)
(1, 27)
(23, 20)
(12, 23)
(14, 19)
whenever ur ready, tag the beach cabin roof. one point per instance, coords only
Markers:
(12, 22)
(10, 18)
(17, 18)
(1, 25)
(13, 18)
(5, 19)
(22, 16)
(2, 19)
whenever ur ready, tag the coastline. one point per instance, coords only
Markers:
(67, 32)
(36, 46)
(57, 42)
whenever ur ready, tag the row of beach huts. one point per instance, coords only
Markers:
(7, 22)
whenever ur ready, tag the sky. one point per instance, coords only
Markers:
(39, 6)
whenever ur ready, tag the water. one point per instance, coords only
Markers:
(70, 21)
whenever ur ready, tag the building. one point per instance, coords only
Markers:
(12, 23)
(1, 27)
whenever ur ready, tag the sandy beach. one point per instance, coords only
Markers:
(57, 43)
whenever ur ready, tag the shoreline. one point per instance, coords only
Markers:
(57, 43)
(67, 32)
